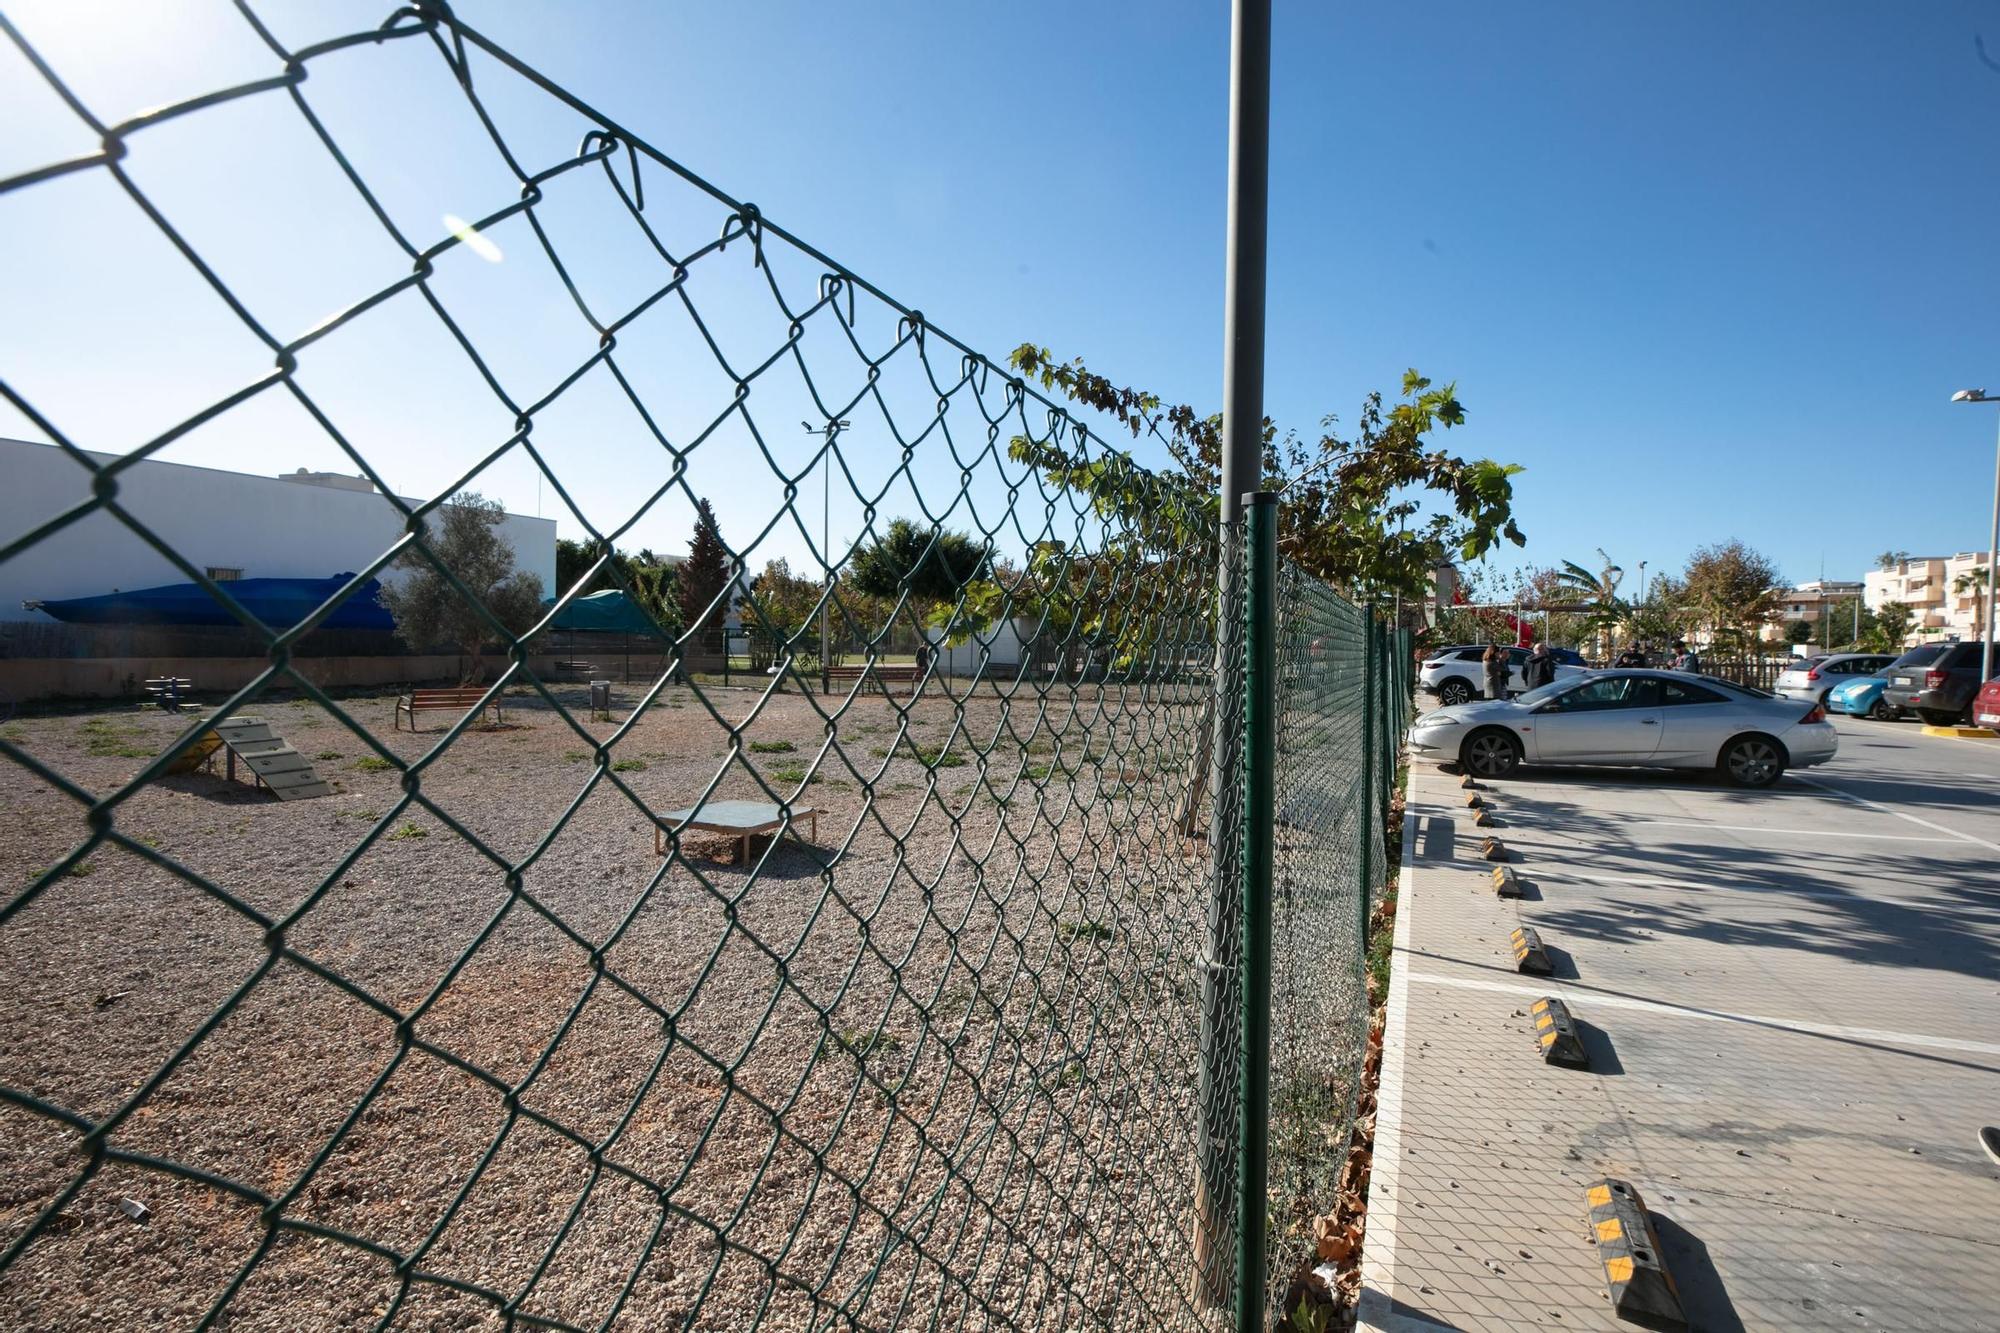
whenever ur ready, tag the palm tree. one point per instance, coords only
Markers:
(1974, 581)
(1598, 592)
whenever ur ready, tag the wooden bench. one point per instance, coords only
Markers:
(580, 669)
(457, 699)
(884, 674)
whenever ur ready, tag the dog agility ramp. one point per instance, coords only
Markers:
(270, 758)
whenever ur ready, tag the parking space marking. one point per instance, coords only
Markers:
(1589, 999)
(1823, 785)
(1690, 886)
(1819, 833)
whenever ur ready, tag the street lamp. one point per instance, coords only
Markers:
(829, 431)
(1992, 545)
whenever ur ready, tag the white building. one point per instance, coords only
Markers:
(1946, 594)
(1810, 602)
(229, 524)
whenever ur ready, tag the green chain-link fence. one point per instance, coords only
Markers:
(962, 1048)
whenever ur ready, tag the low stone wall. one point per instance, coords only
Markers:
(24, 679)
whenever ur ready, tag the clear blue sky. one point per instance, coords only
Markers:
(1707, 270)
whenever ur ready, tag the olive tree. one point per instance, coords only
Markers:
(461, 543)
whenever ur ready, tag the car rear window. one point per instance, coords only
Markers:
(1960, 655)
(1923, 656)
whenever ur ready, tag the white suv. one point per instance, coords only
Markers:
(1457, 675)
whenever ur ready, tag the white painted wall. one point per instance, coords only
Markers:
(999, 651)
(263, 526)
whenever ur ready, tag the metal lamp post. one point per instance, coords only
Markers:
(829, 430)
(1992, 545)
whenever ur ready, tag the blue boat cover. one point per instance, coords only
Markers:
(608, 612)
(279, 603)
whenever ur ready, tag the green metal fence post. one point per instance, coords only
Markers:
(1260, 731)
(1366, 834)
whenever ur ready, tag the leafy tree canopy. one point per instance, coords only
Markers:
(1374, 512)
(935, 562)
(462, 536)
(1732, 588)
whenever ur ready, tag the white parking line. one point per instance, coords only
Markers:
(1688, 886)
(1824, 785)
(1816, 833)
(1589, 999)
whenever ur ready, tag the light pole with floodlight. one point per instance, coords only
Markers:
(1992, 545)
(829, 431)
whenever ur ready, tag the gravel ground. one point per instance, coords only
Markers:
(938, 1068)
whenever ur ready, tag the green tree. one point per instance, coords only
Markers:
(1892, 626)
(1846, 622)
(782, 614)
(1973, 581)
(1732, 590)
(703, 577)
(1664, 616)
(935, 563)
(1890, 559)
(1374, 513)
(1799, 631)
(463, 540)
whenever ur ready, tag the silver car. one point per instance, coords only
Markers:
(1655, 719)
(1815, 678)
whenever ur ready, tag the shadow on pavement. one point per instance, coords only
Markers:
(1704, 1300)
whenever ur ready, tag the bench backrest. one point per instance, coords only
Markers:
(426, 698)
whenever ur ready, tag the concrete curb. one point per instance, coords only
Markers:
(1375, 1310)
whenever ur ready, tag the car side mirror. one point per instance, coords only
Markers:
(1552, 706)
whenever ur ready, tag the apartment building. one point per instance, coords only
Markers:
(1946, 594)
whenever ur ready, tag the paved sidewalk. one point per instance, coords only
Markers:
(1792, 1002)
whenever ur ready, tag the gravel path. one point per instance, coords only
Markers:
(939, 1068)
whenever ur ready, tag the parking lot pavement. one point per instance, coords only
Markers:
(1792, 1003)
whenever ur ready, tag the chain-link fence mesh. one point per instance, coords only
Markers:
(954, 1043)
(1326, 843)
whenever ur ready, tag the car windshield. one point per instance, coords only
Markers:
(1545, 692)
(1737, 687)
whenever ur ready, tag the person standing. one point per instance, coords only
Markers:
(1541, 667)
(1495, 663)
(1686, 658)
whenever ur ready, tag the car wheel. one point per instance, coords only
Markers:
(1490, 754)
(1882, 710)
(1937, 717)
(1752, 761)
(1454, 692)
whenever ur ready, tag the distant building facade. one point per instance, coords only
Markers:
(230, 525)
(1945, 593)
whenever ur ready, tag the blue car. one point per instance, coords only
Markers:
(1862, 697)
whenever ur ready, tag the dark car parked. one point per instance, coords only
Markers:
(1936, 681)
